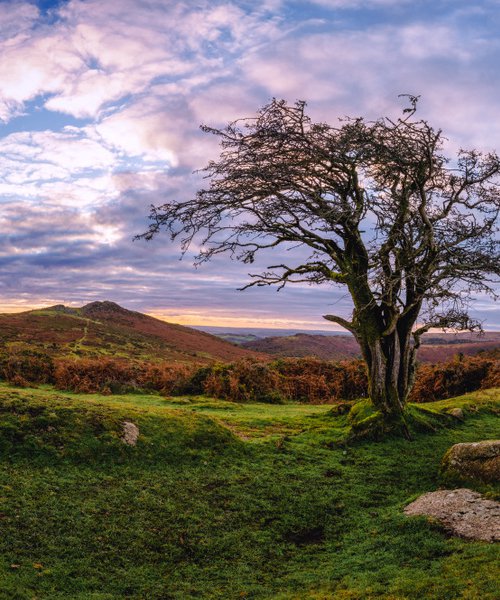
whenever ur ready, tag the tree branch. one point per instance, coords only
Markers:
(342, 322)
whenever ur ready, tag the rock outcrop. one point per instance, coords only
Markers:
(458, 413)
(130, 433)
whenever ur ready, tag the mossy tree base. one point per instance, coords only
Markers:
(369, 423)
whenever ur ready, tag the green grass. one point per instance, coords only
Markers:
(225, 501)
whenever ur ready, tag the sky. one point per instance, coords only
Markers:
(100, 107)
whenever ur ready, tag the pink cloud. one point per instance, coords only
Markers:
(100, 52)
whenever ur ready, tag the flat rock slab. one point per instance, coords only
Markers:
(476, 460)
(462, 512)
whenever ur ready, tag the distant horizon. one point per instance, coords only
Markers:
(269, 330)
(334, 329)
(286, 329)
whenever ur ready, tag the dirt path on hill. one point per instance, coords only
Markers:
(79, 342)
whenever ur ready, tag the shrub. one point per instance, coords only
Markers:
(293, 379)
(111, 376)
(453, 378)
(28, 366)
(93, 376)
(19, 381)
(290, 379)
(319, 381)
(244, 381)
(165, 378)
(492, 378)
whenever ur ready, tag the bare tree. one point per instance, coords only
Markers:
(384, 213)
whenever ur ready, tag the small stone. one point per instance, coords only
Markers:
(130, 433)
(458, 413)
(477, 461)
(462, 512)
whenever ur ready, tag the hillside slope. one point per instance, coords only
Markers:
(328, 347)
(106, 329)
(436, 347)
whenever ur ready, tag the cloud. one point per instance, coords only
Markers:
(140, 76)
(16, 19)
(57, 168)
(98, 53)
(362, 71)
(357, 4)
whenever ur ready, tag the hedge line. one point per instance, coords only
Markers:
(301, 380)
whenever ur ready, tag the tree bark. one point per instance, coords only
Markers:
(390, 362)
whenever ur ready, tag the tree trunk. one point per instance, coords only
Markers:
(390, 363)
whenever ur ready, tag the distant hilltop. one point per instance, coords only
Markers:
(106, 329)
(97, 307)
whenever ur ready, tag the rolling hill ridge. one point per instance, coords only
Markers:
(105, 329)
(436, 347)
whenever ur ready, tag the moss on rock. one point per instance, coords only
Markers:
(478, 461)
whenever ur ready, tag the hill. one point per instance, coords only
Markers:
(436, 347)
(106, 329)
(327, 347)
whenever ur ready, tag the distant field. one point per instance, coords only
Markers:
(223, 500)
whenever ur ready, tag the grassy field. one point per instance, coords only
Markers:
(220, 500)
